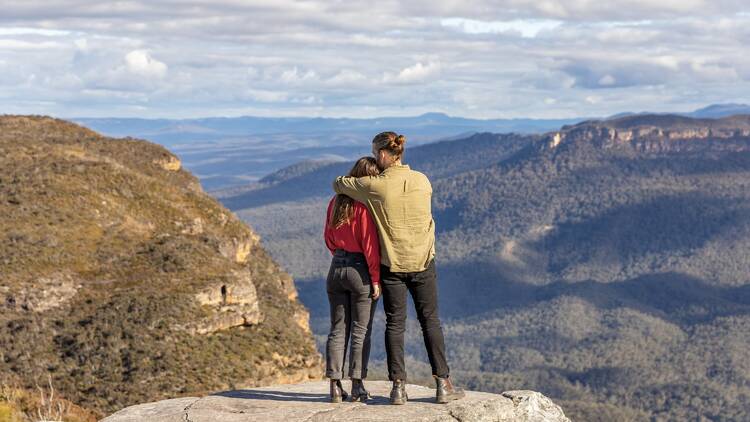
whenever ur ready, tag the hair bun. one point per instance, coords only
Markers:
(391, 142)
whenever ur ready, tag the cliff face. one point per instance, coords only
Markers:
(658, 134)
(125, 282)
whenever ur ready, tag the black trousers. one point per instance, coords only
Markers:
(422, 286)
(352, 310)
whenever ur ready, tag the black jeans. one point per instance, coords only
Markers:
(352, 309)
(423, 288)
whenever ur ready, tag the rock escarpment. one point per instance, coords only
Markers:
(309, 402)
(125, 282)
(658, 134)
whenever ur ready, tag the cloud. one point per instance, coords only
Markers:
(141, 63)
(346, 77)
(413, 74)
(266, 96)
(526, 28)
(607, 80)
(499, 58)
(295, 77)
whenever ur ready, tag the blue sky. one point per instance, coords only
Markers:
(481, 59)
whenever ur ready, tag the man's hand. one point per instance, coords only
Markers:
(375, 291)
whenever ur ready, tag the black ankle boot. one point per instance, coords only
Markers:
(446, 391)
(398, 392)
(358, 391)
(337, 392)
(343, 392)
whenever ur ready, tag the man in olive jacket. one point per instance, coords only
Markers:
(399, 200)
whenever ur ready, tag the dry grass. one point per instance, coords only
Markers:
(19, 405)
(105, 217)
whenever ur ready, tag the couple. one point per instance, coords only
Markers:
(380, 230)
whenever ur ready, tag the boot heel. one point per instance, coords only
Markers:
(398, 393)
(337, 393)
(361, 398)
(359, 393)
(344, 395)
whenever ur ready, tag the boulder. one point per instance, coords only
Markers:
(309, 402)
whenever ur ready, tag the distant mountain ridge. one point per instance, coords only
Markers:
(713, 111)
(232, 151)
(721, 110)
(418, 127)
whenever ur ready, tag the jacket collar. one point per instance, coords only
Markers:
(396, 167)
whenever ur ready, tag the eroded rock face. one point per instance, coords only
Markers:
(169, 163)
(530, 405)
(232, 303)
(665, 133)
(43, 294)
(302, 318)
(309, 402)
(238, 249)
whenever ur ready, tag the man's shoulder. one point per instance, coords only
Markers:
(418, 175)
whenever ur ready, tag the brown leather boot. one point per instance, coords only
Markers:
(337, 392)
(446, 391)
(398, 392)
(359, 393)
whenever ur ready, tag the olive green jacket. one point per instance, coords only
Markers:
(400, 201)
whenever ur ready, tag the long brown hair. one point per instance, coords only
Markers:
(343, 207)
(391, 142)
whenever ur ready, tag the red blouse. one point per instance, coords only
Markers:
(359, 235)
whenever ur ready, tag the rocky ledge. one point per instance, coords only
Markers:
(309, 402)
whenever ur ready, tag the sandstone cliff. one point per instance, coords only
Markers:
(658, 134)
(308, 402)
(125, 282)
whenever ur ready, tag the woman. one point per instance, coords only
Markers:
(352, 237)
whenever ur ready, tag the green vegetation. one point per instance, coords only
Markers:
(104, 245)
(610, 274)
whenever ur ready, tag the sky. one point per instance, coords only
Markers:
(353, 58)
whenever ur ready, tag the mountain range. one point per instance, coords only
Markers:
(234, 151)
(226, 152)
(603, 263)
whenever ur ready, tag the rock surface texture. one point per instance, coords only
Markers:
(309, 402)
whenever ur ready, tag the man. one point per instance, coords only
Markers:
(399, 200)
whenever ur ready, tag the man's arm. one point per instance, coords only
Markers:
(358, 188)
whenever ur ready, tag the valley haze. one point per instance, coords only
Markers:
(234, 151)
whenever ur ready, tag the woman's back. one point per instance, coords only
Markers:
(358, 235)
